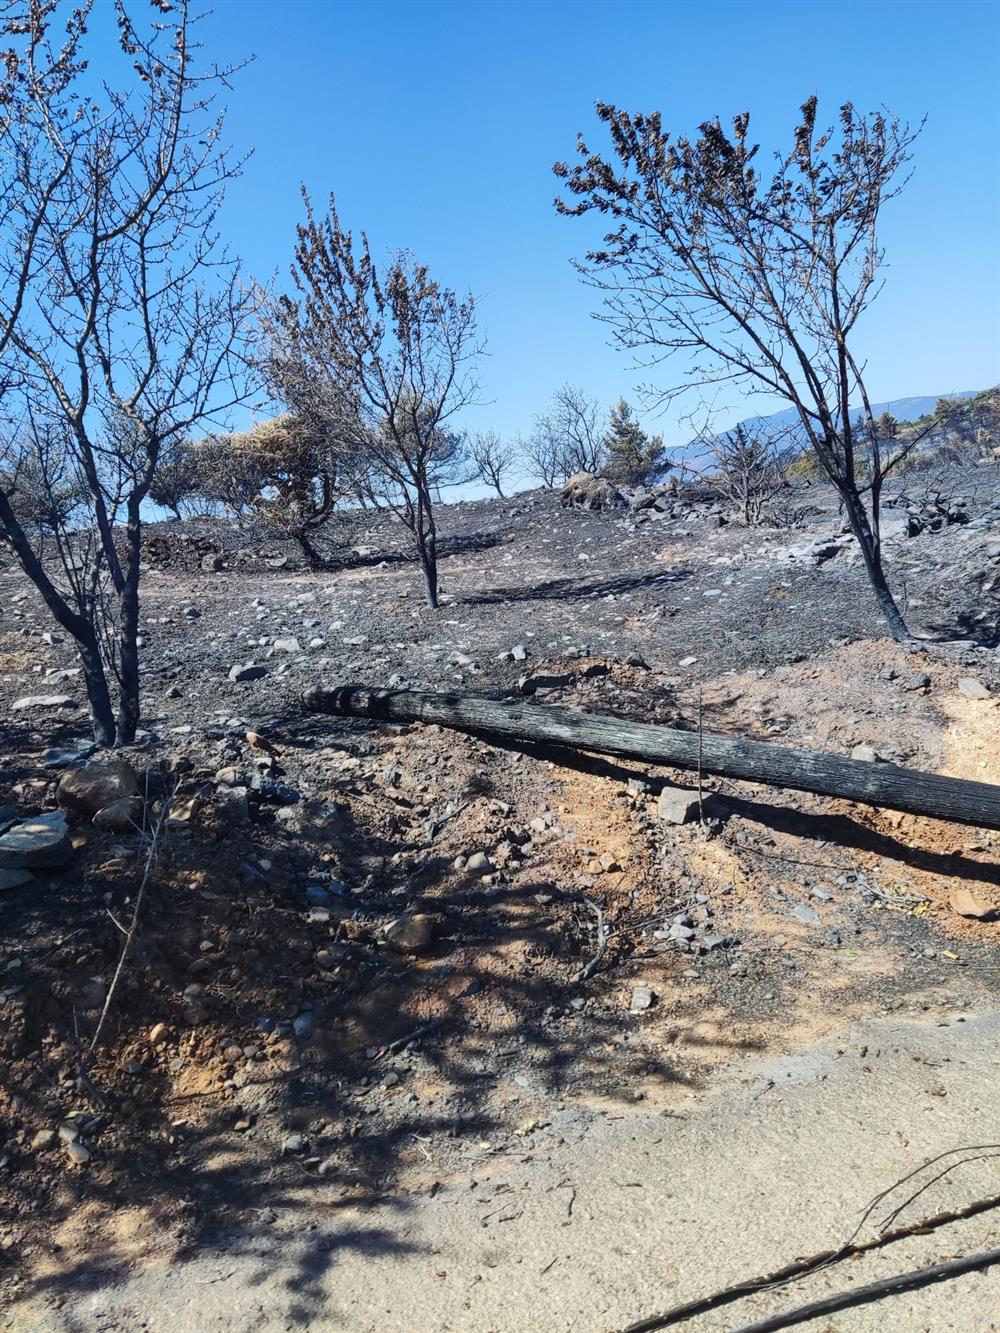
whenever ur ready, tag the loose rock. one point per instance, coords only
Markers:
(412, 933)
(93, 787)
(39, 843)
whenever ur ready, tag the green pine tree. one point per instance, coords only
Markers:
(634, 458)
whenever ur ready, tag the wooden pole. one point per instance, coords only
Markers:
(885, 785)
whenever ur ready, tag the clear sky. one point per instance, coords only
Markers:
(437, 123)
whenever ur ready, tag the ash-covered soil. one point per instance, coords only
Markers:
(586, 956)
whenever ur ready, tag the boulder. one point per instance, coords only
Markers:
(585, 490)
(40, 843)
(88, 788)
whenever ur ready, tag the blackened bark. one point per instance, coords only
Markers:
(128, 629)
(871, 553)
(75, 624)
(885, 785)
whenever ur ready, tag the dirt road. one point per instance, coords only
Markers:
(611, 1215)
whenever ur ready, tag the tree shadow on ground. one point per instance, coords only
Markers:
(340, 560)
(844, 831)
(482, 1003)
(966, 625)
(569, 590)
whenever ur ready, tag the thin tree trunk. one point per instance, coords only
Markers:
(426, 535)
(128, 633)
(313, 556)
(428, 563)
(871, 553)
(102, 715)
(75, 624)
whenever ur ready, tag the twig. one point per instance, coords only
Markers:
(133, 924)
(602, 943)
(117, 923)
(874, 1291)
(931, 1161)
(400, 1042)
(810, 1264)
(952, 1166)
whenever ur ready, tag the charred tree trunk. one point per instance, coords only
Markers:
(428, 562)
(871, 552)
(98, 696)
(313, 557)
(426, 535)
(128, 629)
(79, 626)
(884, 785)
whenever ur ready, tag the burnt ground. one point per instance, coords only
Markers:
(298, 1055)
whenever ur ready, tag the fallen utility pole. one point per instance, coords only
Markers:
(885, 785)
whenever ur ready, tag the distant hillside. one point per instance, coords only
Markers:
(903, 409)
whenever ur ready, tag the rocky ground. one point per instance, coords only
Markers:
(360, 947)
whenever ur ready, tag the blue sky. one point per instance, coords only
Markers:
(437, 123)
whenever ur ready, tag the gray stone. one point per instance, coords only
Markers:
(642, 999)
(232, 805)
(293, 1143)
(479, 864)
(241, 674)
(303, 1026)
(92, 994)
(918, 681)
(973, 689)
(677, 805)
(806, 914)
(62, 757)
(39, 843)
(32, 701)
(287, 645)
(211, 564)
(867, 754)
